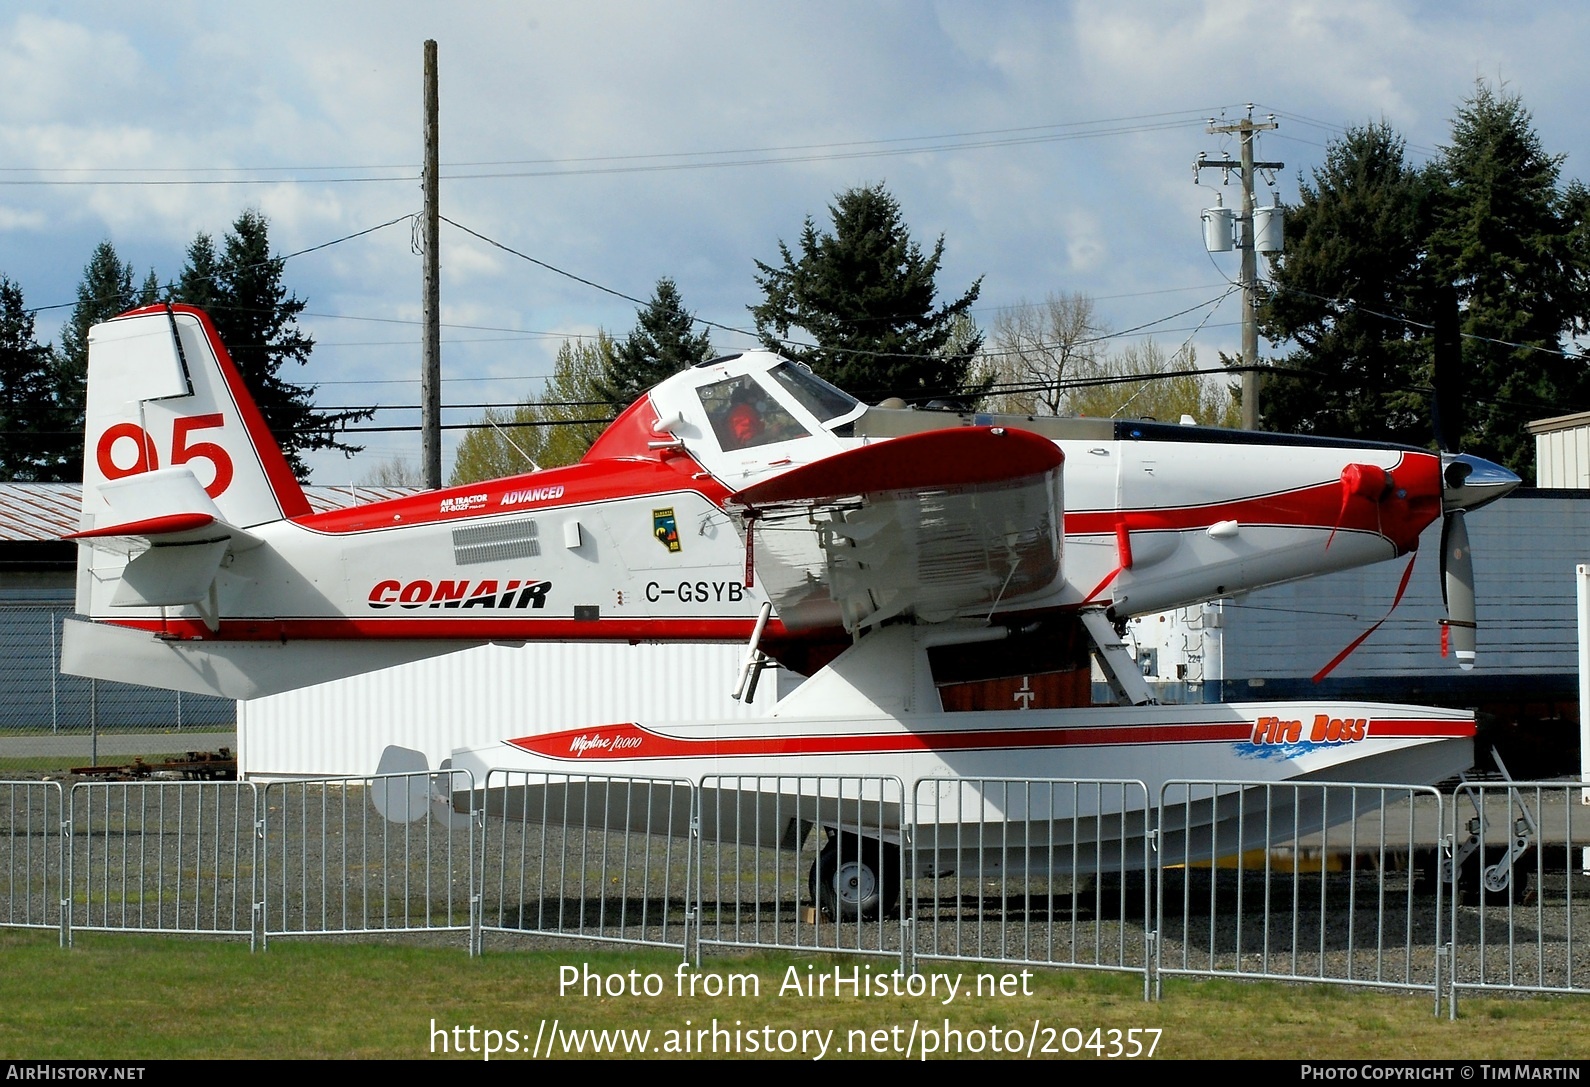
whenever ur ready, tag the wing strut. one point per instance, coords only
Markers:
(1126, 682)
(755, 659)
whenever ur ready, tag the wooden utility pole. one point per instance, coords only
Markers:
(431, 365)
(1250, 260)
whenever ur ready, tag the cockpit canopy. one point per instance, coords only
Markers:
(762, 405)
(754, 401)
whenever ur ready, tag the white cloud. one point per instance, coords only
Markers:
(21, 219)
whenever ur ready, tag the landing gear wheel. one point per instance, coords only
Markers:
(1476, 888)
(856, 879)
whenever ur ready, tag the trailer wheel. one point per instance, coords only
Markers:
(856, 878)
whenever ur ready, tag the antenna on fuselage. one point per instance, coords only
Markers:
(534, 467)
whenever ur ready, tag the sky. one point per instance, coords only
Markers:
(1050, 144)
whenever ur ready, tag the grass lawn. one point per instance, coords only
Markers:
(137, 997)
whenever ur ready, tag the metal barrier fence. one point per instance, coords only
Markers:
(593, 858)
(378, 854)
(1337, 883)
(1246, 887)
(1048, 873)
(766, 881)
(1522, 889)
(34, 856)
(167, 856)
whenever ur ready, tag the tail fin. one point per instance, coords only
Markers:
(162, 392)
(180, 478)
(177, 464)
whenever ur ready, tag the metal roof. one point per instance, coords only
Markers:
(1560, 422)
(48, 511)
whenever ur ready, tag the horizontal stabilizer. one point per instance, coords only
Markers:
(172, 531)
(148, 528)
(229, 669)
(166, 506)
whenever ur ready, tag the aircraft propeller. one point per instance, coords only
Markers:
(1467, 482)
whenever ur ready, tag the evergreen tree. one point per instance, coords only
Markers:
(106, 290)
(1511, 242)
(1373, 244)
(661, 345)
(866, 294)
(201, 276)
(554, 431)
(1349, 276)
(257, 319)
(34, 436)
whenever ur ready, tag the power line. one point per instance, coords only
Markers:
(624, 163)
(170, 286)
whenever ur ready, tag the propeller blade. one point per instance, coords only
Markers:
(1446, 406)
(1457, 589)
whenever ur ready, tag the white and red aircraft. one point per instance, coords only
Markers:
(931, 573)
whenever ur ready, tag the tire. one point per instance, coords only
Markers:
(856, 879)
(1472, 882)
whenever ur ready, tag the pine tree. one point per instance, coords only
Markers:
(257, 319)
(1510, 240)
(1374, 243)
(35, 439)
(1349, 277)
(106, 290)
(555, 430)
(662, 343)
(866, 294)
(201, 276)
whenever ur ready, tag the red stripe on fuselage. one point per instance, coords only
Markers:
(632, 741)
(473, 629)
(576, 485)
(1315, 506)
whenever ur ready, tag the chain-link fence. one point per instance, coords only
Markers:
(50, 721)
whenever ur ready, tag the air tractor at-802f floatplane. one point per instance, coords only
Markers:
(942, 579)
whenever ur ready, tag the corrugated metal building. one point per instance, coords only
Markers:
(1562, 451)
(37, 590)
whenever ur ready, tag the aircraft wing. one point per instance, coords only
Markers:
(935, 525)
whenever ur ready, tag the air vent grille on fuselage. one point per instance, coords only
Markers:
(495, 543)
